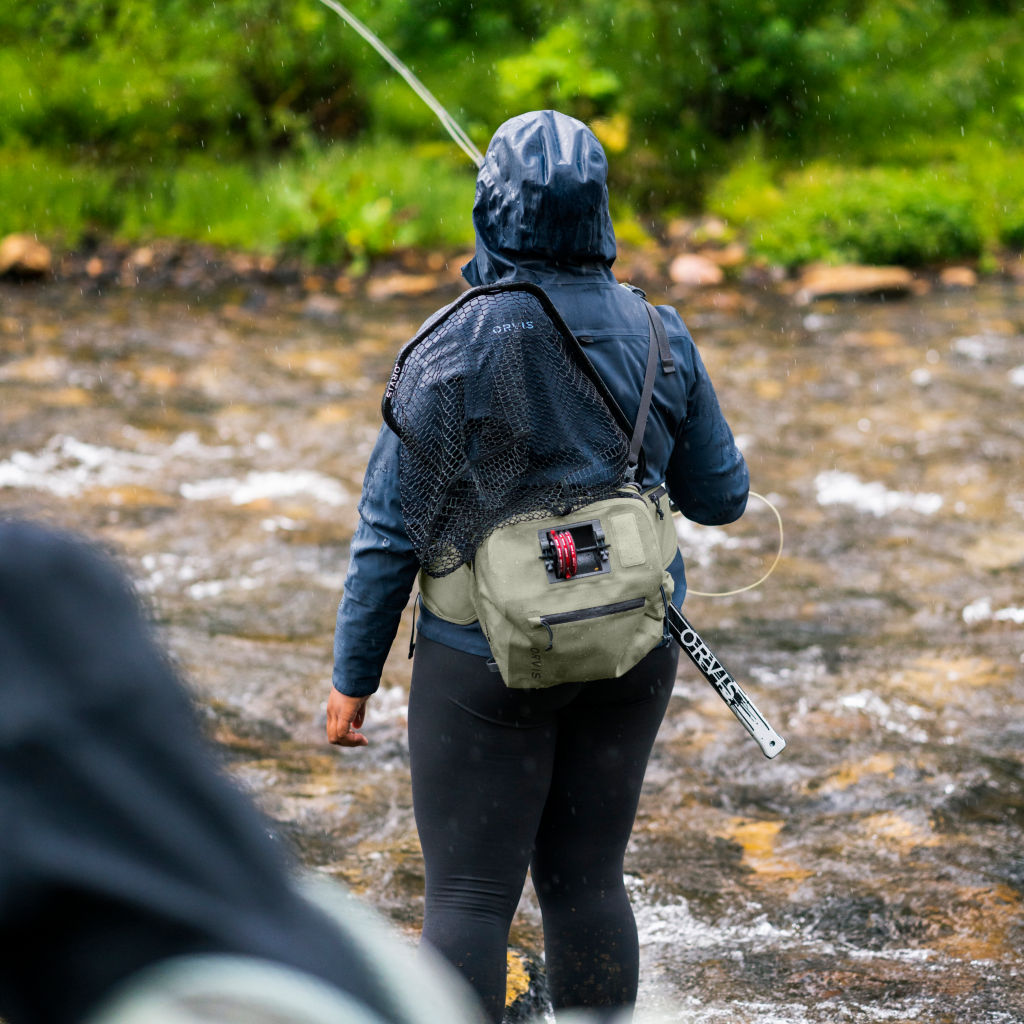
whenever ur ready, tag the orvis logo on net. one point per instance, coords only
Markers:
(517, 325)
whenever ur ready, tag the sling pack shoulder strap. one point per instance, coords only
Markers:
(658, 349)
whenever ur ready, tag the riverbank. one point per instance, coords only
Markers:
(697, 255)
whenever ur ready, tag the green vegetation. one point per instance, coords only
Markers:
(967, 207)
(340, 205)
(335, 205)
(877, 130)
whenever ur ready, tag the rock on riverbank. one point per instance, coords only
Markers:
(23, 256)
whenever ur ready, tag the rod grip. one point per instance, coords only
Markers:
(722, 682)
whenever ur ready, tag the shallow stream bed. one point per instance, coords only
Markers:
(873, 872)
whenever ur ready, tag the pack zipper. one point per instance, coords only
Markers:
(596, 612)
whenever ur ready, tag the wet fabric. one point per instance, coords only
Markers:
(541, 199)
(547, 779)
(121, 845)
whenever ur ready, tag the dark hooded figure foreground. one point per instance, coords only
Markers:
(506, 780)
(137, 885)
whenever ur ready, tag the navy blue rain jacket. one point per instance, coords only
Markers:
(541, 215)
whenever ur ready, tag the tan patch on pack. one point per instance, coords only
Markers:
(626, 540)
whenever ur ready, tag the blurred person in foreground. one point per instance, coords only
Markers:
(137, 885)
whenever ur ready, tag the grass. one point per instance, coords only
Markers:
(342, 204)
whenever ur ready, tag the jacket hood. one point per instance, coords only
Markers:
(541, 202)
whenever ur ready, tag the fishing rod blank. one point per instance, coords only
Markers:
(770, 742)
(454, 129)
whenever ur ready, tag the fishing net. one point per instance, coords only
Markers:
(502, 418)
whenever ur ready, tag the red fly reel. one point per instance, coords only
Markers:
(574, 551)
(566, 562)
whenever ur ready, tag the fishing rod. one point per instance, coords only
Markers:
(771, 568)
(454, 129)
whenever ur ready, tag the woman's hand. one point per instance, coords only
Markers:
(345, 715)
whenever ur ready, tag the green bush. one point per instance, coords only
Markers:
(558, 72)
(359, 203)
(1012, 232)
(147, 79)
(908, 71)
(834, 214)
(60, 202)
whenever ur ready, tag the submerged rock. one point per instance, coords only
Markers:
(1001, 549)
(958, 277)
(403, 285)
(526, 990)
(322, 307)
(729, 257)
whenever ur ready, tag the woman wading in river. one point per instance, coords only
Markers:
(547, 779)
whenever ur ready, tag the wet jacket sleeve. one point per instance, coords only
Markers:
(381, 572)
(706, 476)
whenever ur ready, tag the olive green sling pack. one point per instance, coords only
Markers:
(576, 594)
(545, 627)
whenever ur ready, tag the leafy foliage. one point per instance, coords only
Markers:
(964, 207)
(336, 206)
(132, 97)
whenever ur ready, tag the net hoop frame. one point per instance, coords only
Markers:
(572, 344)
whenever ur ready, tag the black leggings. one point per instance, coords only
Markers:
(548, 779)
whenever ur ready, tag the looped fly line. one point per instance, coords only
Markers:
(771, 568)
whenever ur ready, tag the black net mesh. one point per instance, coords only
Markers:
(501, 419)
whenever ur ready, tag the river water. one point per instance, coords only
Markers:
(873, 872)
